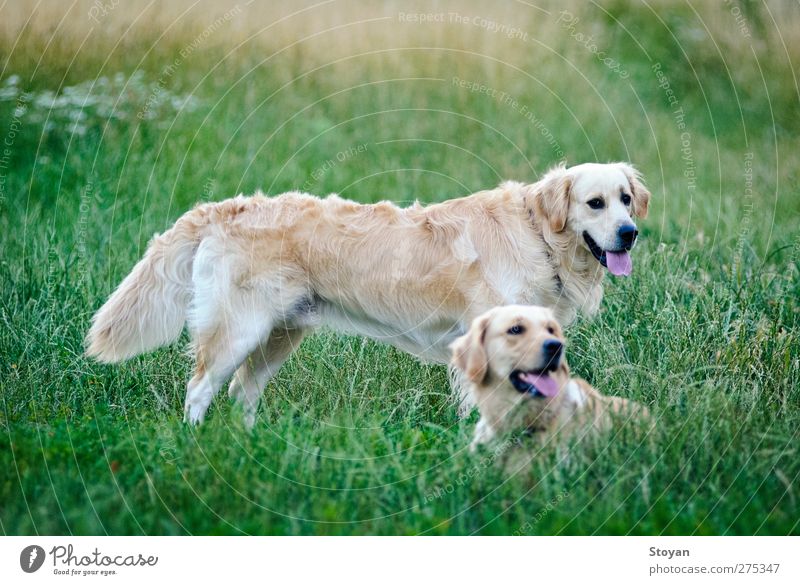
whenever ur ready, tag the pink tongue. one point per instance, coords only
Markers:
(619, 263)
(543, 383)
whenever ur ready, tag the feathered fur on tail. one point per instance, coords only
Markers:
(149, 308)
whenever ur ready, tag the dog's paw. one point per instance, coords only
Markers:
(465, 407)
(249, 420)
(194, 414)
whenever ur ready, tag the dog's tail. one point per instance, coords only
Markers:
(149, 308)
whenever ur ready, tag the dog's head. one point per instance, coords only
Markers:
(514, 354)
(595, 203)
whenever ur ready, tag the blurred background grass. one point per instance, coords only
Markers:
(117, 119)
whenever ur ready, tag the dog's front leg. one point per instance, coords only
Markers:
(460, 387)
(484, 433)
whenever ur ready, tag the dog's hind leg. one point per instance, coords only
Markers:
(238, 300)
(218, 355)
(263, 363)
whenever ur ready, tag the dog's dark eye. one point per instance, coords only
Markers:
(551, 331)
(595, 203)
(626, 199)
(516, 330)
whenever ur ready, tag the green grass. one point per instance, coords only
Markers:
(356, 437)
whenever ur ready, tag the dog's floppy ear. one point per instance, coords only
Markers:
(551, 198)
(640, 194)
(469, 351)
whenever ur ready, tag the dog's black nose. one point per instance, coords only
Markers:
(627, 235)
(552, 351)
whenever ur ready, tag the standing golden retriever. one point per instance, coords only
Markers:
(253, 275)
(513, 359)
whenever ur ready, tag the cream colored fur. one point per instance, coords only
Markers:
(252, 275)
(489, 354)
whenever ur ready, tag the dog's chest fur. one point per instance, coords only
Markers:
(532, 273)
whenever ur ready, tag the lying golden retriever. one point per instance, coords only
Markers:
(513, 359)
(253, 275)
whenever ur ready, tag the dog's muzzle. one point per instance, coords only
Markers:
(617, 261)
(627, 236)
(538, 383)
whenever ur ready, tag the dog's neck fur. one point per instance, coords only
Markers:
(505, 416)
(503, 413)
(499, 419)
(577, 274)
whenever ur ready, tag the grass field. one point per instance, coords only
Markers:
(115, 122)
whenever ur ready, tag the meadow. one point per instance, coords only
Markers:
(115, 119)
